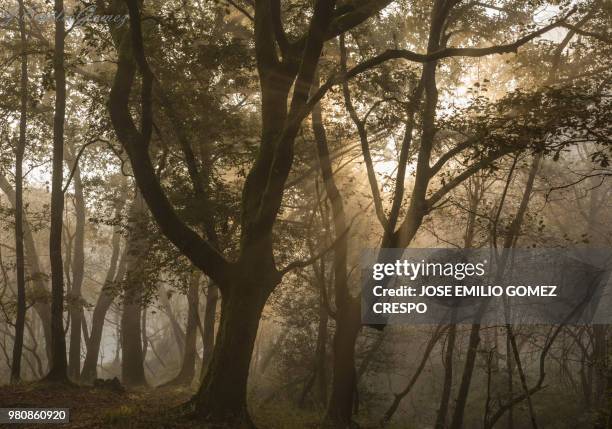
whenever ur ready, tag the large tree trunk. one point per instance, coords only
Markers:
(132, 362)
(185, 375)
(132, 365)
(78, 271)
(221, 398)
(59, 367)
(19, 253)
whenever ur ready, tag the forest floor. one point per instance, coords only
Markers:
(92, 407)
(154, 408)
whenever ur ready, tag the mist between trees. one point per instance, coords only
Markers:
(186, 196)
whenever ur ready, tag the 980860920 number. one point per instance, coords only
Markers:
(34, 415)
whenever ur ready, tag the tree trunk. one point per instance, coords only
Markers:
(475, 196)
(321, 354)
(132, 362)
(19, 253)
(59, 367)
(208, 332)
(41, 306)
(401, 395)
(143, 333)
(78, 270)
(466, 379)
(599, 359)
(185, 375)
(448, 373)
(114, 275)
(318, 379)
(132, 366)
(105, 300)
(179, 335)
(342, 396)
(221, 398)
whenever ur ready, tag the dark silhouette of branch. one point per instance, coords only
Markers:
(241, 9)
(78, 157)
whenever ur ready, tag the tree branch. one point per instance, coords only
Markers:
(601, 37)
(78, 157)
(135, 142)
(363, 139)
(470, 171)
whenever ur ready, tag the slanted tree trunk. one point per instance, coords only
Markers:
(185, 375)
(41, 306)
(114, 275)
(59, 367)
(177, 330)
(78, 271)
(401, 395)
(19, 253)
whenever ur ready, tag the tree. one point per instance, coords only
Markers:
(59, 366)
(20, 150)
(246, 283)
(75, 307)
